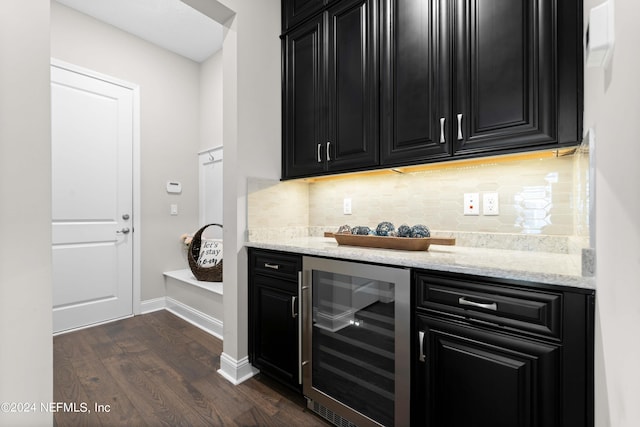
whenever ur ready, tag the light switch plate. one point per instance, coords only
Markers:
(346, 206)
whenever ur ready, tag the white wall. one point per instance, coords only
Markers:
(211, 81)
(257, 153)
(612, 108)
(251, 133)
(26, 360)
(169, 130)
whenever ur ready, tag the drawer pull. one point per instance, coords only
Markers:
(293, 307)
(463, 301)
(421, 338)
(272, 266)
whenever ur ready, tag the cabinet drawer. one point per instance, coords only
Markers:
(276, 264)
(479, 300)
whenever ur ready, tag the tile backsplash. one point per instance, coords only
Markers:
(540, 199)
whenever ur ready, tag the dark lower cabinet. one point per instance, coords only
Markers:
(500, 353)
(274, 315)
(472, 377)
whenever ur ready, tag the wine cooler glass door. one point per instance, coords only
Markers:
(353, 325)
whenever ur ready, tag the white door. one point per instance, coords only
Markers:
(92, 181)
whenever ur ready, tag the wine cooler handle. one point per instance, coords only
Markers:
(421, 338)
(300, 326)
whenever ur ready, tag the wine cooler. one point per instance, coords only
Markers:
(355, 342)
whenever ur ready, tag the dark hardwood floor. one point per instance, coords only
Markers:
(157, 369)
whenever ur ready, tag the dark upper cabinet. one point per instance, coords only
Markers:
(506, 66)
(304, 126)
(330, 95)
(422, 81)
(352, 71)
(296, 11)
(415, 82)
(468, 78)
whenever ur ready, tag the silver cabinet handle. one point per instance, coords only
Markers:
(442, 140)
(272, 266)
(463, 301)
(459, 127)
(123, 231)
(421, 338)
(328, 155)
(319, 158)
(300, 301)
(293, 307)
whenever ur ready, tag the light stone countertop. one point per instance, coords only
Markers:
(539, 267)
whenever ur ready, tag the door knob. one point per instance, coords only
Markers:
(123, 231)
(125, 217)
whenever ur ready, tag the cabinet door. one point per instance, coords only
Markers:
(296, 11)
(304, 132)
(415, 81)
(505, 75)
(352, 85)
(275, 330)
(472, 377)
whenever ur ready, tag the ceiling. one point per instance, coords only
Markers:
(170, 24)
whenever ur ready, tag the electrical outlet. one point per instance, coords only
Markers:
(471, 203)
(490, 204)
(346, 206)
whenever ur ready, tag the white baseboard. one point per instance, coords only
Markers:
(207, 323)
(152, 305)
(236, 371)
(203, 321)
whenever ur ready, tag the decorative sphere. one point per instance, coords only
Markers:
(404, 231)
(361, 230)
(420, 230)
(344, 229)
(384, 228)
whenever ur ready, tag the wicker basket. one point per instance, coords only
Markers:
(208, 274)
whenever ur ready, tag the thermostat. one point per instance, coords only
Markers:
(174, 187)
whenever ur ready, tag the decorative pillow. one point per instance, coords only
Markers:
(210, 252)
